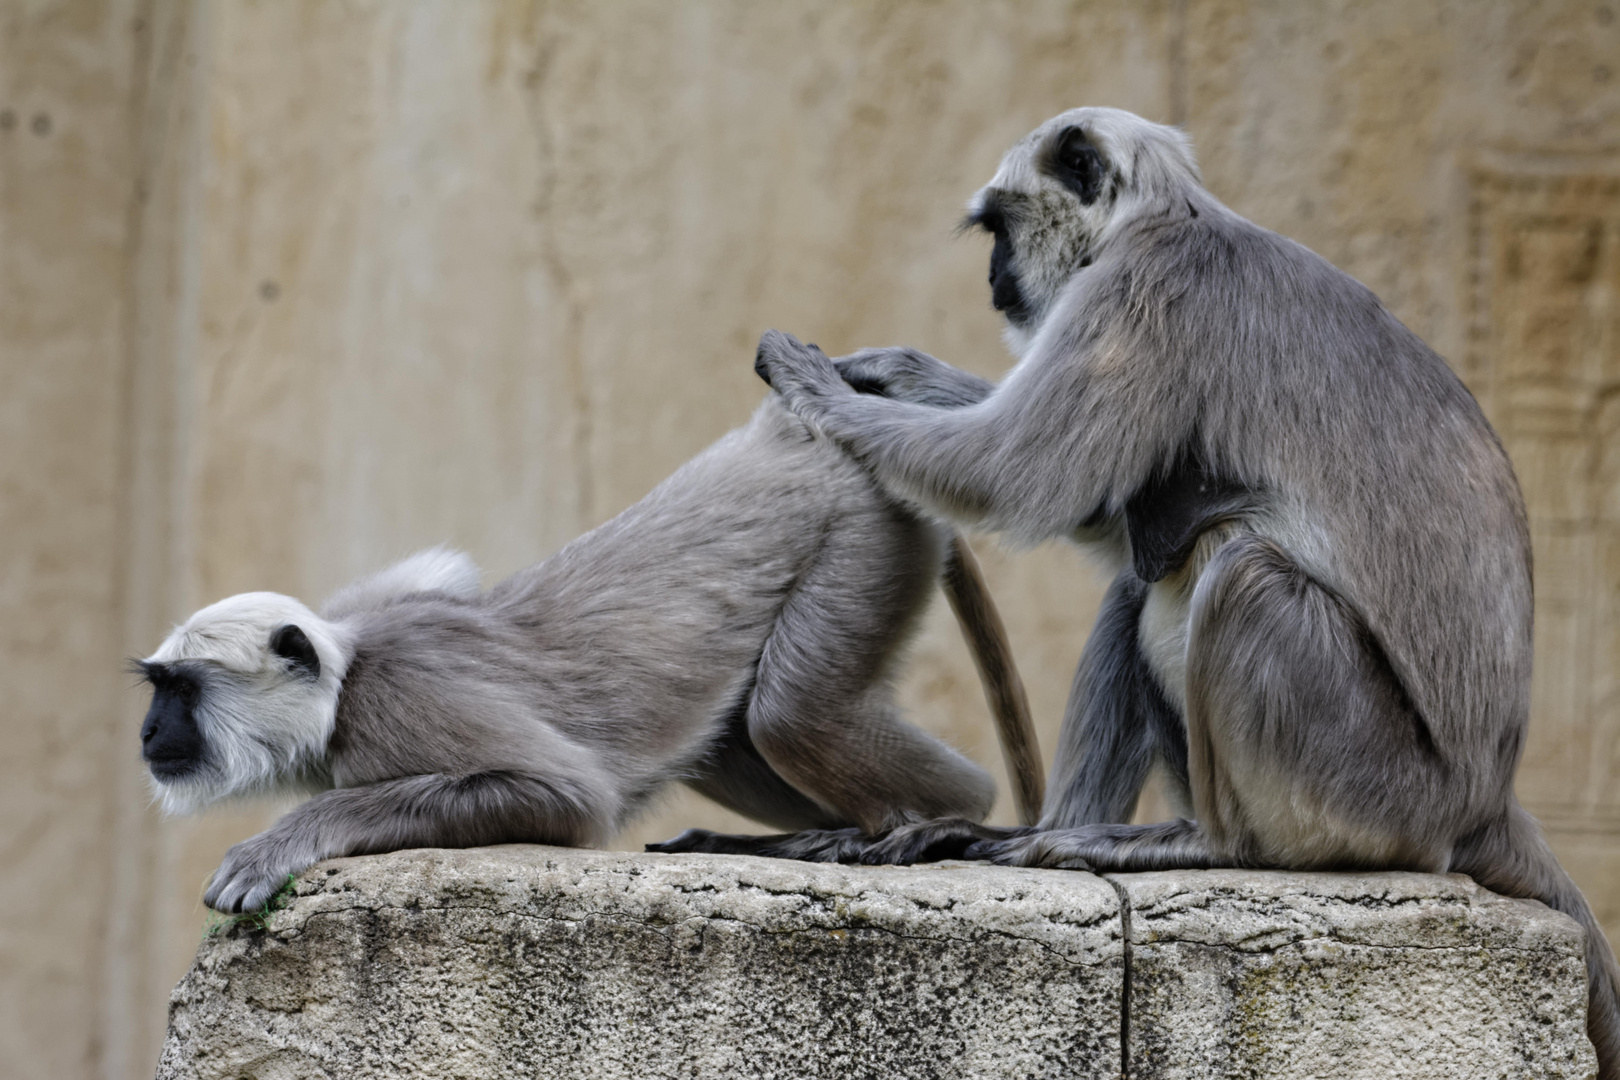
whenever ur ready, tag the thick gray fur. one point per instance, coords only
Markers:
(737, 629)
(1321, 551)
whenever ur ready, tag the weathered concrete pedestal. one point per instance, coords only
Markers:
(543, 962)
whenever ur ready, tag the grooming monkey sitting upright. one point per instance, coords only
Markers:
(737, 629)
(1321, 619)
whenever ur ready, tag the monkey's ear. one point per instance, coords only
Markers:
(1076, 164)
(291, 644)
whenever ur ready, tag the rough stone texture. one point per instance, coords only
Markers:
(291, 288)
(531, 961)
(1248, 974)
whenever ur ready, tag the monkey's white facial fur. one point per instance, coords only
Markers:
(1061, 194)
(244, 698)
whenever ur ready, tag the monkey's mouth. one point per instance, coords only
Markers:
(169, 769)
(1006, 293)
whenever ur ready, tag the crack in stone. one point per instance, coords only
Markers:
(1125, 977)
(1237, 947)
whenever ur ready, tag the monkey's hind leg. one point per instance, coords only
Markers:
(735, 775)
(1304, 750)
(822, 712)
(1117, 722)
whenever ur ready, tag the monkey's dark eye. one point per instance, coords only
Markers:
(176, 680)
(1078, 165)
(291, 644)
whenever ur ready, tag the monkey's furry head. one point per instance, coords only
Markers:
(244, 698)
(1063, 192)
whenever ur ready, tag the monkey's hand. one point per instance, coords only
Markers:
(908, 375)
(800, 373)
(256, 869)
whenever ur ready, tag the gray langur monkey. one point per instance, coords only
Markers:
(737, 629)
(1321, 619)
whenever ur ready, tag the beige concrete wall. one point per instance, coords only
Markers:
(290, 288)
(66, 87)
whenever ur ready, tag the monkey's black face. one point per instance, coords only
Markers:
(1006, 294)
(171, 742)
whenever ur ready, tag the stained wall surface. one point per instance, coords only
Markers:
(293, 288)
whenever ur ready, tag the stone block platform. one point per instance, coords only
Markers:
(532, 962)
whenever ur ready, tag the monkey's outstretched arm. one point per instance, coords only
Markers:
(1055, 446)
(908, 375)
(492, 807)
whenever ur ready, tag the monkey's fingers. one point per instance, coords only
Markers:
(796, 370)
(872, 371)
(245, 890)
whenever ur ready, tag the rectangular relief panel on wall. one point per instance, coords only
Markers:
(1544, 358)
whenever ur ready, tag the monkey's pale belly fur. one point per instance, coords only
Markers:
(1167, 620)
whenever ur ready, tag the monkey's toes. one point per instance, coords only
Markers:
(1000, 852)
(1034, 850)
(227, 896)
(928, 841)
(690, 840)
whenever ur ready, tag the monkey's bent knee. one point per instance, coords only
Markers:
(1247, 574)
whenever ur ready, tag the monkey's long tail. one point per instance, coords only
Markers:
(1510, 856)
(1003, 689)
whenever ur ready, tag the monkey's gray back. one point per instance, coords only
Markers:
(1358, 450)
(635, 642)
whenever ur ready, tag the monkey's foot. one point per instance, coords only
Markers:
(924, 841)
(812, 845)
(932, 841)
(1039, 849)
(1164, 845)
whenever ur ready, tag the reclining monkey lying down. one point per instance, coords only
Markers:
(737, 629)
